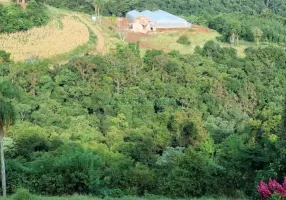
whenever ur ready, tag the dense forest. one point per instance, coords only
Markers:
(204, 124)
(167, 124)
(181, 7)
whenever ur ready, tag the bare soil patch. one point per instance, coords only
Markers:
(201, 29)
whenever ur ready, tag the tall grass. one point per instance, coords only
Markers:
(78, 51)
(47, 41)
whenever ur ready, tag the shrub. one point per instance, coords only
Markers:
(22, 194)
(4, 57)
(183, 39)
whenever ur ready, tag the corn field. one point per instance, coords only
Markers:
(47, 41)
(5, 1)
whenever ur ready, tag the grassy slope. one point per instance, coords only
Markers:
(111, 37)
(56, 13)
(168, 41)
(79, 51)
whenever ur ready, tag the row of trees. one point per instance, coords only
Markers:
(266, 27)
(165, 124)
(193, 7)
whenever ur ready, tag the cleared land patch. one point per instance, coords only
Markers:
(163, 39)
(45, 42)
(167, 40)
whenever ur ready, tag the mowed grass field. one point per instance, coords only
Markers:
(167, 41)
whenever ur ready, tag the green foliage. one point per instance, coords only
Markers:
(7, 113)
(183, 39)
(23, 194)
(13, 18)
(164, 124)
(4, 57)
(268, 28)
(184, 170)
(85, 5)
(146, 197)
(198, 8)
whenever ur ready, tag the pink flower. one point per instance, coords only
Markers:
(272, 185)
(281, 191)
(267, 190)
(276, 187)
(284, 183)
(263, 189)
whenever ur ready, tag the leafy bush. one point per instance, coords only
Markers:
(4, 57)
(34, 15)
(23, 194)
(183, 39)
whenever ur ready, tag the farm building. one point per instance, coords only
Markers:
(142, 24)
(157, 19)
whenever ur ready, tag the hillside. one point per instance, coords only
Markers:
(95, 111)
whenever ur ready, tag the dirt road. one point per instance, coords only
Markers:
(100, 39)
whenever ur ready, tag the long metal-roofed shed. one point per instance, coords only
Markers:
(160, 19)
(131, 16)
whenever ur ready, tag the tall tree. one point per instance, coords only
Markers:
(7, 117)
(267, 3)
(257, 34)
(98, 5)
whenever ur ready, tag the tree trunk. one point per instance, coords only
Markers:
(3, 173)
(135, 71)
(98, 13)
(118, 86)
(267, 3)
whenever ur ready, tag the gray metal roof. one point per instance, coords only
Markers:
(151, 15)
(163, 19)
(156, 15)
(133, 12)
(132, 15)
(167, 15)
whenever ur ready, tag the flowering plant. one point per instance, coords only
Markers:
(273, 190)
